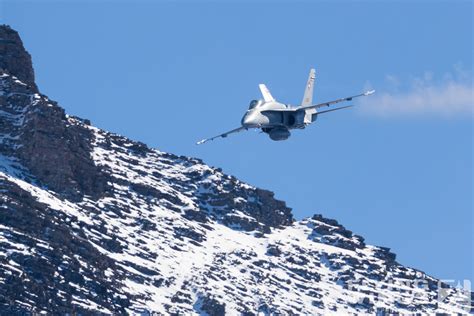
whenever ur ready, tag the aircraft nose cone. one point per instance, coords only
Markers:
(247, 120)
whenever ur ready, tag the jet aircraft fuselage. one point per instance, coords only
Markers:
(277, 119)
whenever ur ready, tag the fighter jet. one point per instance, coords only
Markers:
(277, 119)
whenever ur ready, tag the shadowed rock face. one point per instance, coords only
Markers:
(55, 149)
(58, 152)
(14, 59)
(36, 225)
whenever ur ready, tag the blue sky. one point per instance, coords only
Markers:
(396, 169)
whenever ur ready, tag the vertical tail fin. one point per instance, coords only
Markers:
(308, 92)
(267, 96)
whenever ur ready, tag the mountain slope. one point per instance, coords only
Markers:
(92, 221)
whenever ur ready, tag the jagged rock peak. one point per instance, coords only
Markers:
(14, 59)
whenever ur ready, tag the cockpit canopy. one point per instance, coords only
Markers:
(255, 103)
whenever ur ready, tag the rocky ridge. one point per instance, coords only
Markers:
(91, 221)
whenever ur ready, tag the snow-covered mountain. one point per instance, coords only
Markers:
(91, 221)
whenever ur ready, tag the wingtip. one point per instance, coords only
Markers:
(369, 92)
(202, 141)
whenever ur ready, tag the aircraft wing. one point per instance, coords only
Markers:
(223, 135)
(317, 106)
(335, 109)
(319, 112)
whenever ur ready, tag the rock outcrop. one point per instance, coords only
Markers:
(14, 59)
(37, 132)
